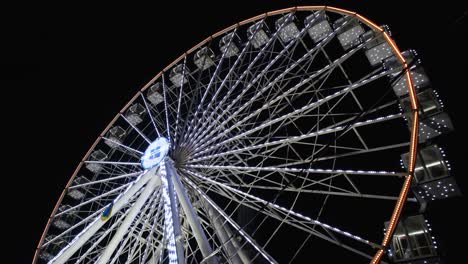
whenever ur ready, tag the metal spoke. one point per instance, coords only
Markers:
(298, 138)
(135, 128)
(91, 229)
(149, 113)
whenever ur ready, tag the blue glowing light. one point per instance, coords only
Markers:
(155, 153)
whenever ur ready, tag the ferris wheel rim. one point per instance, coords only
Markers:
(412, 94)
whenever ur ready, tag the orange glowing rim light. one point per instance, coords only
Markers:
(411, 91)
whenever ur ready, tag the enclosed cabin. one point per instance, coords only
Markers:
(115, 136)
(54, 245)
(135, 114)
(377, 48)
(412, 242)
(257, 34)
(65, 217)
(204, 58)
(433, 121)
(318, 26)
(179, 75)
(398, 78)
(432, 179)
(76, 191)
(430, 107)
(287, 29)
(229, 45)
(154, 94)
(349, 31)
(95, 157)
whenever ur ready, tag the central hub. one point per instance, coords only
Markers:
(155, 153)
(181, 155)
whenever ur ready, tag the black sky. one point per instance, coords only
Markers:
(69, 70)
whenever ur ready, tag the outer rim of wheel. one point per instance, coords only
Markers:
(413, 126)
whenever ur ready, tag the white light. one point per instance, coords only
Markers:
(349, 37)
(320, 31)
(155, 153)
(168, 223)
(288, 32)
(258, 35)
(178, 75)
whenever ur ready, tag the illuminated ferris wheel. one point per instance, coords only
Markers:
(276, 140)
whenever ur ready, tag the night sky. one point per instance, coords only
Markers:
(68, 72)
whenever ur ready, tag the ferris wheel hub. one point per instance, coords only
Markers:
(155, 153)
(181, 155)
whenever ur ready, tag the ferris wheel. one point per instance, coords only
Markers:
(288, 136)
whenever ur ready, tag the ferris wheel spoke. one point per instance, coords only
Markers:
(141, 244)
(128, 175)
(120, 202)
(229, 174)
(257, 77)
(325, 41)
(184, 63)
(236, 227)
(294, 219)
(170, 107)
(300, 170)
(149, 113)
(305, 109)
(348, 79)
(122, 145)
(291, 67)
(276, 186)
(320, 116)
(210, 83)
(365, 151)
(353, 116)
(238, 144)
(238, 79)
(289, 214)
(75, 226)
(159, 121)
(270, 153)
(194, 95)
(155, 242)
(298, 138)
(316, 191)
(166, 113)
(226, 110)
(285, 142)
(266, 179)
(336, 156)
(231, 71)
(135, 128)
(95, 198)
(103, 162)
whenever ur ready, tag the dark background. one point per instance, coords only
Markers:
(67, 70)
